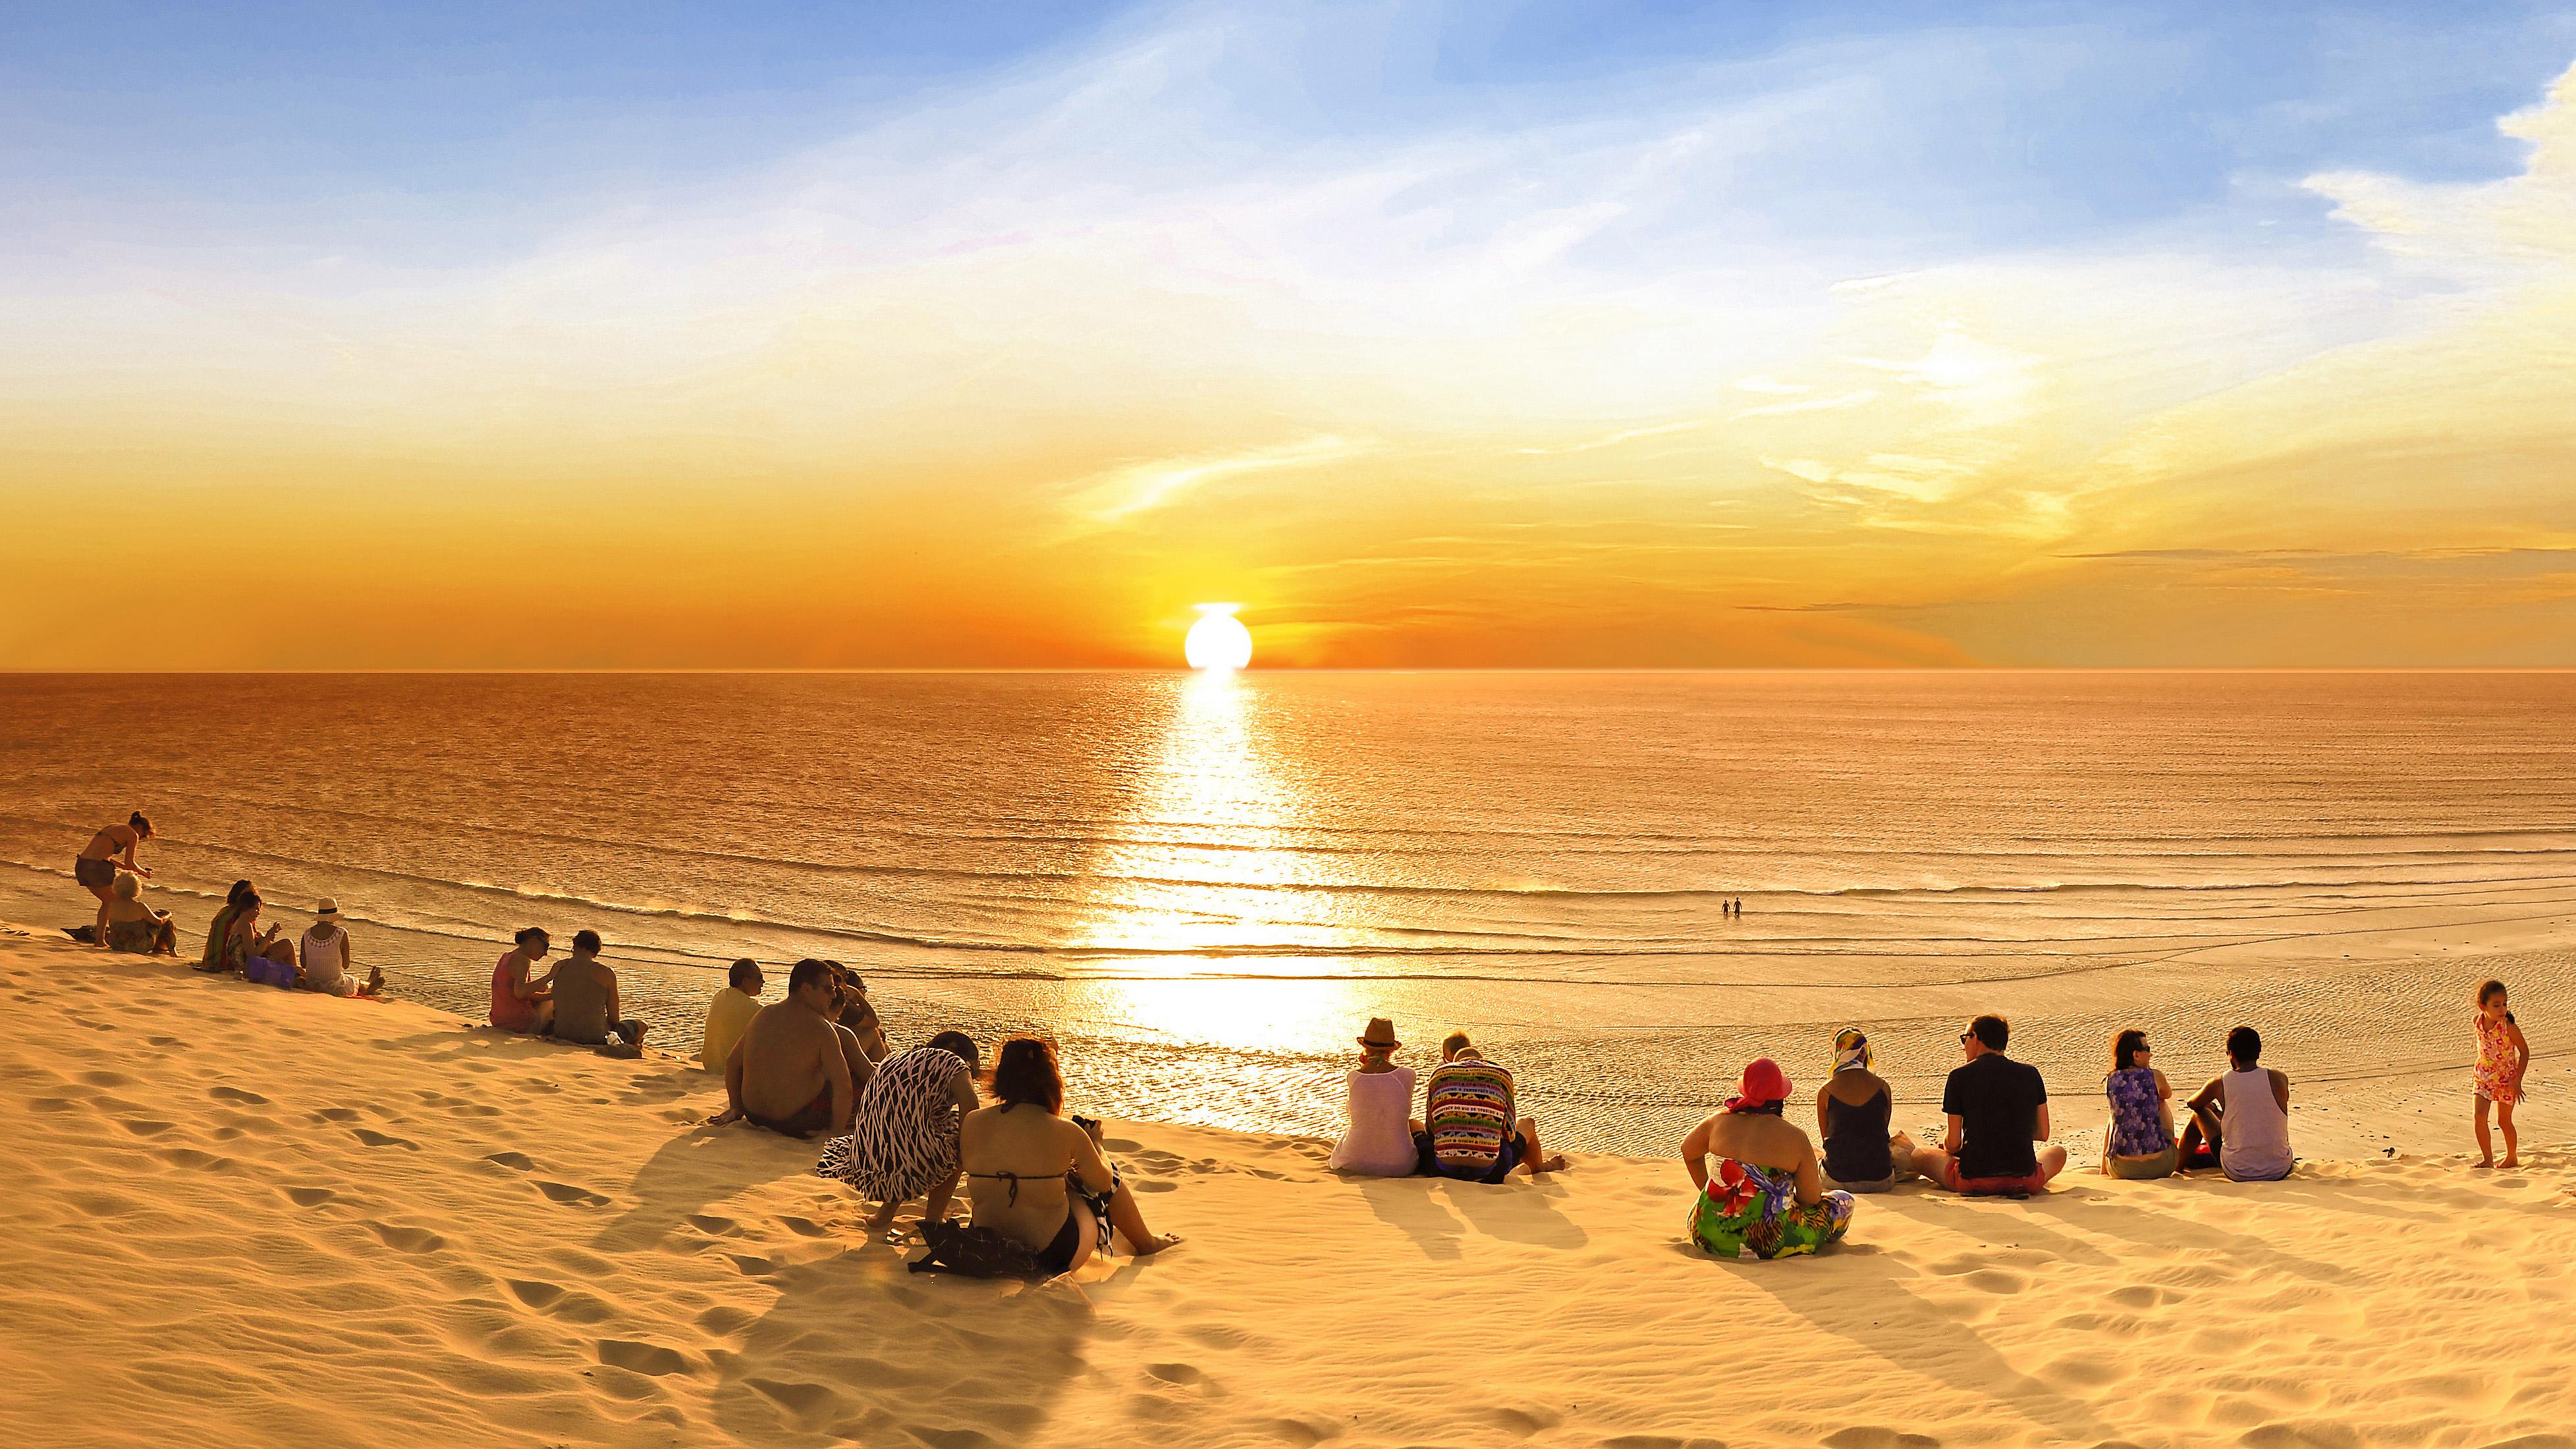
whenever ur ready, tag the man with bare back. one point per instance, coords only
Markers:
(796, 1071)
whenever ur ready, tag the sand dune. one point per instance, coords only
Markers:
(243, 1216)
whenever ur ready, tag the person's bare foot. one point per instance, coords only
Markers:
(2509, 1162)
(2490, 1162)
(1156, 1244)
(1553, 1164)
(883, 1223)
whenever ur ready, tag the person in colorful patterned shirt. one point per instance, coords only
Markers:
(1767, 1194)
(1472, 1127)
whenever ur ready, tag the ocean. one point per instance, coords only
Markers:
(1202, 886)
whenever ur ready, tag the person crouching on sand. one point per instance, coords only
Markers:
(903, 1140)
(796, 1071)
(1037, 1178)
(96, 866)
(218, 929)
(2503, 1057)
(1768, 1192)
(519, 1004)
(1378, 1095)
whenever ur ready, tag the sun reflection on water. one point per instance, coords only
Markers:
(1190, 888)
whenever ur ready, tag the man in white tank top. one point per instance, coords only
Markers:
(2244, 1114)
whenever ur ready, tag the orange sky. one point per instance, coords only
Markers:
(1033, 428)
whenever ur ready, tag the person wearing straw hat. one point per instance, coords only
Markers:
(325, 957)
(1852, 1109)
(1379, 1140)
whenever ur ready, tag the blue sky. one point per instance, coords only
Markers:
(1961, 125)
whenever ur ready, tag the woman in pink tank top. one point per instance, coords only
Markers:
(519, 1004)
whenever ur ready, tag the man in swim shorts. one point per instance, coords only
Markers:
(586, 1003)
(95, 868)
(796, 1071)
(1997, 1108)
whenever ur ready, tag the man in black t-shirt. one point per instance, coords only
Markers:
(1997, 1108)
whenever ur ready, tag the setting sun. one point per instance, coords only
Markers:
(1218, 640)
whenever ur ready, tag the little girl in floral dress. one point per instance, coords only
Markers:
(2502, 1058)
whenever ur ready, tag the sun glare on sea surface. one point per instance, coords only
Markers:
(1218, 641)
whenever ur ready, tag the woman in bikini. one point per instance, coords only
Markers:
(1037, 1178)
(108, 851)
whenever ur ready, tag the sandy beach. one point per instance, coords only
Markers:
(245, 1216)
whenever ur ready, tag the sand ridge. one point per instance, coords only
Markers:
(244, 1216)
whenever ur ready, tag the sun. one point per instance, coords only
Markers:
(1218, 641)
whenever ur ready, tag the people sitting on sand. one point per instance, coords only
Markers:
(2139, 1143)
(1037, 1178)
(520, 1004)
(1378, 1098)
(218, 930)
(2241, 1120)
(256, 953)
(1852, 1110)
(328, 961)
(903, 1144)
(96, 866)
(730, 1013)
(135, 927)
(587, 1009)
(1472, 1127)
(1997, 1108)
(858, 1013)
(795, 1071)
(1768, 1193)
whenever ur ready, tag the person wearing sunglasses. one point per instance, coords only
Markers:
(1998, 1108)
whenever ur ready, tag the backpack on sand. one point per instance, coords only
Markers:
(977, 1253)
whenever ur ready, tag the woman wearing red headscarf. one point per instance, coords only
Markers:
(1767, 1193)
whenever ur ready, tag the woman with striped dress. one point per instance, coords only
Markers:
(903, 1144)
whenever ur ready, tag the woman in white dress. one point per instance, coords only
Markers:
(1379, 1140)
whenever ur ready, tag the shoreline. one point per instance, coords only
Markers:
(249, 1216)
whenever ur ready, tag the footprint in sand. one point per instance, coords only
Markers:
(191, 1158)
(754, 1267)
(805, 1227)
(164, 1042)
(144, 1127)
(565, 1192)
(1995, 1280)
(406, 1240)
(337, 1114)
(1306, 1434)
(309, 1196)
(106, 1079)
(714, 1226)
(50, 1104)
(537, 1295)
(373, 1138)
(519, 1160)
(1870, 1436)
(1147, 1184)
(802, 1399)
(1522, 1423)
(641, 1358)
(236, 1094)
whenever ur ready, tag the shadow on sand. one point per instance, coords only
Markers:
(855, 1347)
